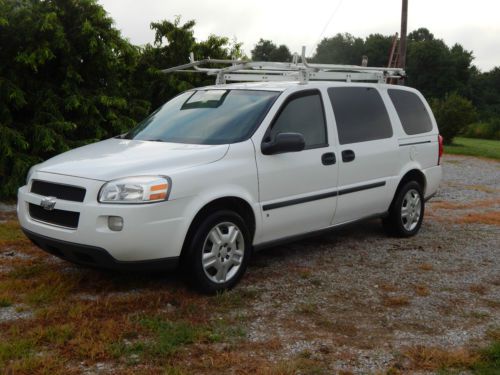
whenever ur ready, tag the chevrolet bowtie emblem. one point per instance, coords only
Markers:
(48, 203)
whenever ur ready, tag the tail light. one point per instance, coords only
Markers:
(441, 149)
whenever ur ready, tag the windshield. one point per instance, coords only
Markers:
(206, 117)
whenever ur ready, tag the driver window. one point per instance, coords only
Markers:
(303, 113)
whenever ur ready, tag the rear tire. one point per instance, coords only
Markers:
(218, 252)
(406, 212)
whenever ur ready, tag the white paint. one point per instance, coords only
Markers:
(201, 174)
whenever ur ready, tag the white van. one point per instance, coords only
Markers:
(220, 171)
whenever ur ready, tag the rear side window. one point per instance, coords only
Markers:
(360, 114)
(303, 113)
(411, 111)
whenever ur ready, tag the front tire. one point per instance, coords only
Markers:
(218, 252)
(406, 212)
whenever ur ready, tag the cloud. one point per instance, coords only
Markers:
(475, 26)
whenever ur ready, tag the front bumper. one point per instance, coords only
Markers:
(95, 256)
(151, 232)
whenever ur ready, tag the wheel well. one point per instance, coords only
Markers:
(414, 175)
(235, 204)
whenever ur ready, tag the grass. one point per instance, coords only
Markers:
(170, 336)
(307, 308)
(478, 362)
(163, 338)
(5, 302)
(422, 290)
(396, 301)
(474, 147)
(15, 350)
(489, 362)
(77, 318)
(425, 267)
(10, 231)
(433, 359)
(488, 217)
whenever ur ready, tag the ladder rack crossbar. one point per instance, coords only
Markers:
(265, 71)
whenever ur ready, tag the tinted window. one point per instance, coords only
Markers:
(206, 117)
(303, 113)
(360, 114)
(411, 111)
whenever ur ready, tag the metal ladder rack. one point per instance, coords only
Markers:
(264, 71)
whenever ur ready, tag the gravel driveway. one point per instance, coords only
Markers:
(356, 301)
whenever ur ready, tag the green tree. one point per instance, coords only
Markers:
(340, 49)
(266, 50)
(420, 35)
(485, 93)
(174, 41)
(377, 47)
(453, 114)
(68, 78)
(434, 68)
(65, 80)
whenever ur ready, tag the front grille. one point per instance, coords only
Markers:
(68, 219)
(61, 191)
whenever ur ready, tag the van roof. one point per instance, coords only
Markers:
(285, 85)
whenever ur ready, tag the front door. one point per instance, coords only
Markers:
(298, 189)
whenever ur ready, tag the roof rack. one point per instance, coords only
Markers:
(266, 71)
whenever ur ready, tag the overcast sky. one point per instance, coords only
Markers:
(474, 24)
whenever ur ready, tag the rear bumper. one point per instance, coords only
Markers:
(433, 177)
(95, 256)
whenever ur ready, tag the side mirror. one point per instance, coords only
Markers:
(284, 142)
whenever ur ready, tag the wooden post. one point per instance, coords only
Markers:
(402, 42)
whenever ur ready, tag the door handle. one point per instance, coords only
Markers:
(328, 158)
(348, 155)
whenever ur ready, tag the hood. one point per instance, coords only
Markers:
(116, 158)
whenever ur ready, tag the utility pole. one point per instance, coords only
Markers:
(402, 42)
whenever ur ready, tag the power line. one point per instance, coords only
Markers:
(327, 24)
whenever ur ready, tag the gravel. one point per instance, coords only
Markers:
(356, 300)
(10, 313)
(6, 207)
(370, 298)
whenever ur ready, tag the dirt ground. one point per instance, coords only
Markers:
(351, 302)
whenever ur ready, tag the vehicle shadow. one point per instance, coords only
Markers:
(95, 280)
(320, 243)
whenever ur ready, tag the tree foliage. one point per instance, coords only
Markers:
(266, 50)
(65, 80)
(434, 68)
(172, 45)
(67, 77)
(340, 49)
(347, 49)
(376, 48)
(453, 114)
(485, 93)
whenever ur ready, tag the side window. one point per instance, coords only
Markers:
(360, 114)
(303, 113)
(411, 111)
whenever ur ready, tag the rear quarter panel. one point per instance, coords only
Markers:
(419, 151)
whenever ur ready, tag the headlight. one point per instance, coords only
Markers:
(142, 189)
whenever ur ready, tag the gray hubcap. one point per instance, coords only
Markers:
(223, 252)
(411, 209)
